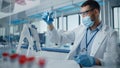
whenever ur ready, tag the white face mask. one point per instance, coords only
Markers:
(87, 21)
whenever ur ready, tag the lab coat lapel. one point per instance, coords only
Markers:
(97, 42)
(78, 37)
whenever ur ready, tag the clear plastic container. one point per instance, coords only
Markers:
(5, 58)
(30, 62)
(22, 61)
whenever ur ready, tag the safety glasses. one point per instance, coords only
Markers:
(86, 12)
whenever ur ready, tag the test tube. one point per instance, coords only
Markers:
(5, 57)
(41, 63)
(14, 60)
(13, 57)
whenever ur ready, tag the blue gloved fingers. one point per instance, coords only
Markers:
(92, 60)
(48, 17)
(45, 16)
(76, 58)
(86, 60)
(51, 14)
(50, 20)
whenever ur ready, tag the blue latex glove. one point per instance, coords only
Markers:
(85, 60)
(48, 17)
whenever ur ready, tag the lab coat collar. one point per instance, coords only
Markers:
(98, 27)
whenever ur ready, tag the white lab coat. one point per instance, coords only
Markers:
(103, 47)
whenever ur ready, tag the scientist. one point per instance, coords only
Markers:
(94, 42)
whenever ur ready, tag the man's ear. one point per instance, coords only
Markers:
(96, 11)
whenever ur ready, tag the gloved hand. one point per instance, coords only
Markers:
(48, 17)
(85, 60)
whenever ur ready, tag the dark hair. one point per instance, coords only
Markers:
(92, 3)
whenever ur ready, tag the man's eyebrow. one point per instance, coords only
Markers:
(86, 11)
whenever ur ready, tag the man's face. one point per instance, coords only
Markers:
(87, 11)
